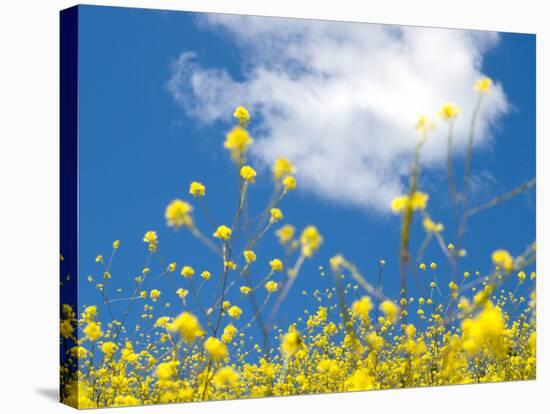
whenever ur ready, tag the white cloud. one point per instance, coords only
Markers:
(341, 99)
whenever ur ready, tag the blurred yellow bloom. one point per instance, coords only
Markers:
(249, 256)
(362, 307)
(285, 233)
(310, 240)
(109, 348)
(225, 377)
(222, 232)
(503, 260)
(449, 111)
(206, 275)
(271, 286)
(245, 290)
(188, 326)
(292, 342)
(418, 201)
(197, 189)
(248, 173)
(187, 271)
(483, 85)
(242, 114)
(150, 237)
(216, 349)
(237, 142)
(182, 293)
(276, 265)
(178, 214)
(93, 331)
(229, 333)
(390, 310)
(289, 183)
(430, 226)
(275, 215)
(235, 312)
(423, 124)
(281, 168)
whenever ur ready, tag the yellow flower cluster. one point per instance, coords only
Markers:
(353, 336)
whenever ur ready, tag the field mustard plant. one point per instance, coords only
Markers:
(466, 327)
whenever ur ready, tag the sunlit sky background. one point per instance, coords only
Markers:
(140, 148)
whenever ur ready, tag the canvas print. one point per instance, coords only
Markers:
(263, 206)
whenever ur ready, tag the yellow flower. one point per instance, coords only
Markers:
(229, 333)
(245, 290)
(93, 331)
(431, 227)
(271, 286)
(165, 371)
(281, 168)
(285, 233)
(390, 310)
(154, 294)
(422, 266)
(90, 312)
(399, 203)
(182, 293)
(310, 240)
(235, 312)
(216, 349)
(423, 124)
(292, 342)
(237, 142)
(222, 232)
(360, 380)
(483, 85)
(375, 341)
(225, 377)
(249, 256)
(418, 201)
(242, 114)
(187, 271)
(178, 214)
(336, 262)
(99, 258)
(197, 189)
(188, 326)
(109, 348)
(275, 215)
(116, 244)
(150, 237)
(449, 111)
(230, 265)
(79, 352)
(276, 265)
(289, 183)
(248, 173)
(172, 267)
(66, 329)
(503, 259)
(362, 307)
(206, 275)
(485, 329)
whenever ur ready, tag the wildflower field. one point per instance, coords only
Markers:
(452, 326)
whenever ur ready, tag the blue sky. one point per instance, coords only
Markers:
(140, 148)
